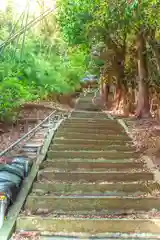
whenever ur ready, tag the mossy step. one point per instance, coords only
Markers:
(91, 125)
(92, 131)
(89, 136)
(72, 165)
(83, 147)
(92, 154)
(80, 204)
(99, 160)
(45, 187)
(109, 236)
(92, 194)
(92, 122)
(88, 116)
(91, 142)
(100, 122)
(90, 176)
(68, 225)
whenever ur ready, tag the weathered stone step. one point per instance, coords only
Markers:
(92, 122)
(92, 129)
(91, 136)
(87, 116)
(89, 108)
(89, 113)
(91, 126)
(89, 130)
(95, 176)
(91, 142)
(82, 147)
(70, 226)
(91, 194)
(121, 236)
(98, 121)
(130, 160)
(45, 187)
(92, 154)
(88, 203)
(72, 165)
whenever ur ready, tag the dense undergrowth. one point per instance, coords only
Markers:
(37, 65)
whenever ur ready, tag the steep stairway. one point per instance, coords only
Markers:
(93, 183)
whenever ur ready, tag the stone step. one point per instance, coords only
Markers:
(86, 204)
(92, 131)
(93, 183)
(91, 136)
(95, 176)
(83, 147)
(109, 236)
(92, 125)
(91, 142)
(99, 160)
(92, 194)
(92, 120)
(89, 226)
(86, 114)
(102, 187)
(104, 122)
(83, 117)
(72, 165)
(92, 154)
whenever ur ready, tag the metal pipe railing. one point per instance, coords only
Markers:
(33, 130)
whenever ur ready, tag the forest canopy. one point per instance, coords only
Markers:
(124, 35)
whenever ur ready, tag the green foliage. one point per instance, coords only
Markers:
(12, 95)
(44, 66)
(92, 22)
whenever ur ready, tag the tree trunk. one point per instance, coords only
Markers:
(143, 106)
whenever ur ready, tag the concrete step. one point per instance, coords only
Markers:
(88, 226)
(83, 147)
(109, 236)
(43, 188)
(91, 130)
(90, 204)
(91, 136)
(92, 154)
(96, 142)
(98, 122)
(95, 176)
(91, 165)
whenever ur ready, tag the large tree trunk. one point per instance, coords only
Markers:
(143, 106)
